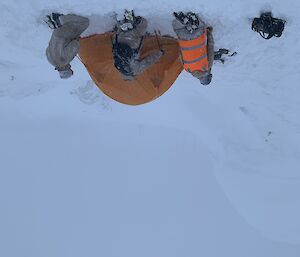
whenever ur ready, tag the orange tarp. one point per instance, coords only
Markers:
(96, 55)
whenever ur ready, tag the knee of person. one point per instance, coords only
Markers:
(87, 21)
(143, 24)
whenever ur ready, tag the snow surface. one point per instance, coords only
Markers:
(201, 171)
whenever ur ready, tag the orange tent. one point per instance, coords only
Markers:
(96, 55)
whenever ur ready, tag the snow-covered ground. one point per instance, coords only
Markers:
(201, 171)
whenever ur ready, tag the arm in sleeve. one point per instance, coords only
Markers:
(210, 47)
(71, 50)
(141, 28)
(139, 66)
(72, 26)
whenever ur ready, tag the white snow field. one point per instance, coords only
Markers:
(202, 171)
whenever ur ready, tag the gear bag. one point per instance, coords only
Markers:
(123, 55)
(267, 26)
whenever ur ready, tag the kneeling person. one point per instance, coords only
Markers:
(64, 44)
(197, 45)
(127, 45)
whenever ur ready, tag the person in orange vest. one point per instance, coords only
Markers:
(197, 45)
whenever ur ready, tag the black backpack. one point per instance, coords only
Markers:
(267, 26)
(123, 55)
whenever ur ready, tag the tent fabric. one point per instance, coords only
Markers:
(96, 55)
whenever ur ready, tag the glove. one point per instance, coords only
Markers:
(210, 28)
(126, 26)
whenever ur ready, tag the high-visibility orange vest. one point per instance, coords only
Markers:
(194, 53)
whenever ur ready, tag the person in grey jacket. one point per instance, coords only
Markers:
(188, 27)
(64, 44)
(130, 32)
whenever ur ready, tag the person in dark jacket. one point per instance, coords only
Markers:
(127, 43)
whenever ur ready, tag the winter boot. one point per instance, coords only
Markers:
(53, 20)
(193, 20)
(190, 20)
(181, 17)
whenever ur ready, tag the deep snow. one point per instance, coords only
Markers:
(201, 171)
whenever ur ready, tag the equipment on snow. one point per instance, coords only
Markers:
(190, 20)
(221, 52)
(53, 21)
(123, 54)
(267, 26)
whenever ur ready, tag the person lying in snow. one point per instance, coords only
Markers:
(127, 43)
(64, 44)
(197, 45)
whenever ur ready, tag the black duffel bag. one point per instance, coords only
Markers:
(267, 26)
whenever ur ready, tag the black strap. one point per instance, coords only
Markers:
(264, 35)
